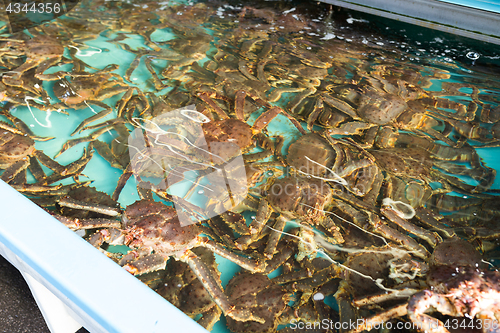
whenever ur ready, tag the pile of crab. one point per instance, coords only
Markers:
(373, 207)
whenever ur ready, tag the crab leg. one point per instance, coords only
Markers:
(91, 137)
(374, 321)
(124, 177)
(246, 263)
(430, 219)
(313, 116)
(263, 120)
(431, 237)
(263, 214)
(12, 171)
(78, 224)
(146, 264)
(71, 170)
(407, 242)
(107, 110)
(46, 65)
(278, 259)
(23, 129)
(299, 98)
(7, 127)
(209, 318)
(425, 300)
(215, 290)
(274, 237)
(342, 106)
(386, 296)
(48, 162)
(207, 98)
(122, 103)
(275, 94)
(156, 80)
(77, 204)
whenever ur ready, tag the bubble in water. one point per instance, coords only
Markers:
(318, 297)
(253, 217)
(270, 173)
(472, 55)
(201, 192)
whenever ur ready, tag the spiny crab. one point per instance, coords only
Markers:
(458, 286)
(154, 233)
(258, 294)
(377, 100)
(85, 89)
(181, 288)
(17, 152)
(204, 141)
(42, 52)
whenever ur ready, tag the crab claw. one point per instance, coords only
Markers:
(241, 314)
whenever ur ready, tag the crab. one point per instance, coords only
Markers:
(262, 297)
(458, 288)
(384, 100)
(84, 90)
(30, 93)
(471, 217)
(154, 233)
(17, 152)
(457, 285)
(388, 268)
(42, 52)
(452, 160)
(308, 279)
(227, 138)
(181, 288)
(339, 161)
(293, 198)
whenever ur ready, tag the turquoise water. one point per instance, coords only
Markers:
(373, 41)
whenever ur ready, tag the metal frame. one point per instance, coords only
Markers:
(471, 21)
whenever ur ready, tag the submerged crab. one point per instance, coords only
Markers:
(181, 288)
(387, 100)
(258, 294)
(17, 153)
(42, 51)
(88, 89)
(154, 232)
(458, 286)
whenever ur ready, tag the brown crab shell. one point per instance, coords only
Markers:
(257, 293)
(316, 148)
(228, 131)
(155, 225)
(14, 147)
(43, 46)
(300, 197)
